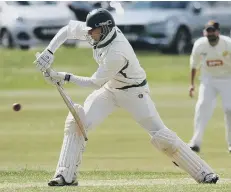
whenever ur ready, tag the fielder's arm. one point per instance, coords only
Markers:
(194, 62)
(193, 75)
(194, 65)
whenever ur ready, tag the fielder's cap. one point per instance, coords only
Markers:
(212, 25)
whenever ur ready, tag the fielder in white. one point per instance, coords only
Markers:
(119, 81)
(211, 53)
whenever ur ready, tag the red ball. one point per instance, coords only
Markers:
(16, 107)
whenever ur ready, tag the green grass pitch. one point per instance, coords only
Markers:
(119, 156)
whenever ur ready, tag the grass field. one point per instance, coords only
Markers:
(119, 156)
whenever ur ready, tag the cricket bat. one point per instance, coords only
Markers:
(69, 103)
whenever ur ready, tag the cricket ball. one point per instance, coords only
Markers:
(16, 107)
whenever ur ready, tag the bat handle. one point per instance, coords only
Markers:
(48, 70)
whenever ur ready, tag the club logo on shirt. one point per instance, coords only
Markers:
(214, 63)
(203, 54)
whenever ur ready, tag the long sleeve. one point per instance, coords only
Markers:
(195, 57)
(105, 72)
(83, 81)
(74, 30)
(58, 39)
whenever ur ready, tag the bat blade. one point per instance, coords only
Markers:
(71, 108)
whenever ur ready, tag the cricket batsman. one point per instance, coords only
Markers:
(119, 81)
(211, 53)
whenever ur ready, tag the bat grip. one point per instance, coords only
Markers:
(48, 70)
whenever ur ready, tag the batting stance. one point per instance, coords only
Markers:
(211, 53)
(119, 81)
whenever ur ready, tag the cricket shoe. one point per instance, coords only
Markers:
(195, 148)
(211, 178)
(60, 181)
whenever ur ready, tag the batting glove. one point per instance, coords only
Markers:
(44, 60)
(54, 77)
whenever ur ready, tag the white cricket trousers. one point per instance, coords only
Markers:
(136, 101)
(208, 91)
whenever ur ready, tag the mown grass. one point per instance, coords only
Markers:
(30, 140)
